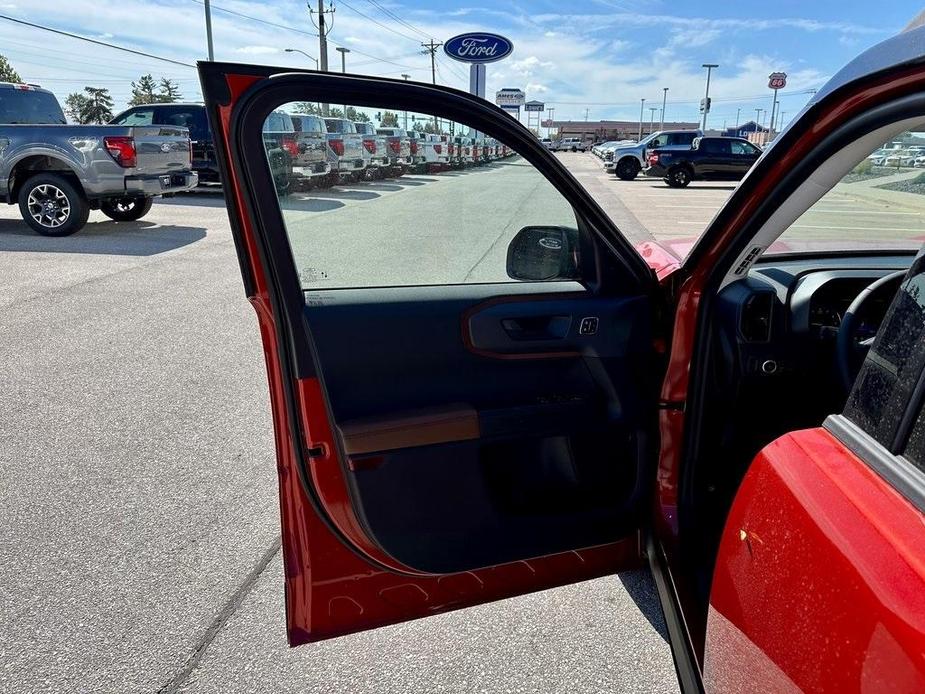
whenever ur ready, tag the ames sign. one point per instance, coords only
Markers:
(478, 47)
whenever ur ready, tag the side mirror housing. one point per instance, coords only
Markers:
(542, 253)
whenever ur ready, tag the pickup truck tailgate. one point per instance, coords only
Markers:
(161, 149)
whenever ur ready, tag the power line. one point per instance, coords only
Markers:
(99, 43)
(398, 19)
(376, 21)
(257, 19)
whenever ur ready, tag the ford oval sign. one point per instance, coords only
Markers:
(478, 47)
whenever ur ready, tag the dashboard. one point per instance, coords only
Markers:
(778, 327)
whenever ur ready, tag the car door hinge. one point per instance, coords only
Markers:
(671, 405)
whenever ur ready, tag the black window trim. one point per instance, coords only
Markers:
(896, 470)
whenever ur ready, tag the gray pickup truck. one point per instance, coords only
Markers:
(57, 172)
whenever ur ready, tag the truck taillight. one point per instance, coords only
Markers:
(414, 147)
(438, 149)
(395, 146)
(337, 146)
(653, 159)
(449, 149)
(290, 145)
(370, 146)
(122, 149)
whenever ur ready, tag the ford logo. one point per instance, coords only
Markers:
(551, 243)
(478, 47)
(166, 147)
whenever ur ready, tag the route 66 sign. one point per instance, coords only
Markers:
(777, 80)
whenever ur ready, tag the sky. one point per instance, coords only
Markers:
(594, 59)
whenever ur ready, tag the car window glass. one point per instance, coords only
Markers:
(892, 366)
(29, 106)
(714, 146)
(442, 213)
(659, 141)
(143, 116)
(194, 119)
(875, 206)
(741, 148)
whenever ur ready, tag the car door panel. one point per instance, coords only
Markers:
(456, 457)
(816, 551)
(417, 474)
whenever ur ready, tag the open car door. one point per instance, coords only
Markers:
(461, 362)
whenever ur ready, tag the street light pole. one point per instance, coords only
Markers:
(406, 78)
(296, 50)
(343, 66)
(661, 124)
(758, 121)
(706, 96)
(642, 107)
(652, 110)
(738, 111)
(209, 29)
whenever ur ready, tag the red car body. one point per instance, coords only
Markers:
(819, 576)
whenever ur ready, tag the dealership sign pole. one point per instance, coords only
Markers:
(477, 49)
(776, 80)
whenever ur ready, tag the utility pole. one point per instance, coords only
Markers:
(209, 29)
(780, 121)
(706, 96)
(324, 28)
(661, 123)
(587, 110)
(642, 107)
(431, 47)
(552, 113)
(343, 66)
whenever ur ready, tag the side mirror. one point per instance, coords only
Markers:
(539, 253)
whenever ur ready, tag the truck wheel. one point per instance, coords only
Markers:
(678, 177)
(627, 169)
(126, 209)
(52, 205)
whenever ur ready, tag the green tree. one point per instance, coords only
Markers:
(418, 127)
(7, 73)
(94, 105)
(335, 112)
(169, 93)
(309, 107)
(429, 127)
(144, 91)
(389, 120)
(357, 116)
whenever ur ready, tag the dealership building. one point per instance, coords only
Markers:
(613, 129)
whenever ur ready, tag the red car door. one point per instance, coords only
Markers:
(462, 369)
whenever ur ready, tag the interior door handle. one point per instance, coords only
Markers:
(536, 327)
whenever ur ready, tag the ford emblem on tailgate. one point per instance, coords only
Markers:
(166, 147)
(478, 47)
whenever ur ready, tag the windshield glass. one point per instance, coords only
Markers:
(28, 106)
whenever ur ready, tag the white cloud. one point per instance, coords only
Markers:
(257, 50)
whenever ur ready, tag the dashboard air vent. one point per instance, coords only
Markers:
(756, 317)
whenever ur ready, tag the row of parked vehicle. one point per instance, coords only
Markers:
(897, 157)
(313, 151)
(310, 151)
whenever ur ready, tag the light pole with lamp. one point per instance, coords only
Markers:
(661, 124)
(652, 110)
(706, 96)
(406, 78)
(296, 50)
(642, 107)
(343, 66)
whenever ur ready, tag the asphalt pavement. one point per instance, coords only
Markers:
(138, 495)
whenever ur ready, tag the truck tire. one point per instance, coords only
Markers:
(126, 209)
(627, 168)
(678, 177)
(52, 205)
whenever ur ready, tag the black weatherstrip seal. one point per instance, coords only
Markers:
(901, 474)
(690, 679)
